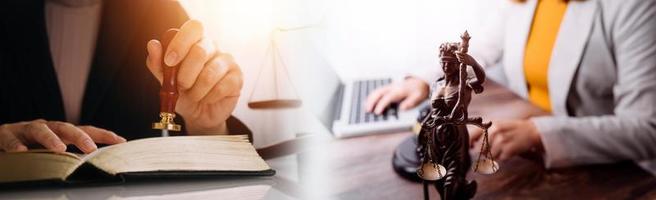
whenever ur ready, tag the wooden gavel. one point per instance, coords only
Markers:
(168, 93)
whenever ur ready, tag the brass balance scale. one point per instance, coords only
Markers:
(273, 57)
(485, 164)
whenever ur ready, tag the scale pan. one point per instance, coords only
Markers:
(275, 104)
(487, 166)
(431, 172)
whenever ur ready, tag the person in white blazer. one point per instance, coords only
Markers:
(601, 84)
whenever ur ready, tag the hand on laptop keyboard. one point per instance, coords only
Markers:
(409, 93)
(361, 89)
(392, 111)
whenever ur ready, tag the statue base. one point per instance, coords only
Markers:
(405, 160)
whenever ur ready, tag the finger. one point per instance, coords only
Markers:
(493, 133)
(40, 133)
(496, 151)
(193, 63)
(392, 96)
(496, 143)
(70, 134)
(9, 142)
(374, 97)
(499, 131)
(154, 59)
(474, 135)
(211, 73)
(190, 33)
(499, 126)
(102, 136)
(508, 152)
(514, 143)
(229, 86)
(411, 101)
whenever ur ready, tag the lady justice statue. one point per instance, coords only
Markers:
(443, 140)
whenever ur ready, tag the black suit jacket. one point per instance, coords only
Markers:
(121, 94)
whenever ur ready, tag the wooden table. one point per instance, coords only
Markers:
(361, 167)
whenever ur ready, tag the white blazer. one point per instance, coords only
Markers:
(601, 77)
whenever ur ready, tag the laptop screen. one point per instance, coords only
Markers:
(322, 95)
(322, 88)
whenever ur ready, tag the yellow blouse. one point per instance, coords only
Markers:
(546, 22)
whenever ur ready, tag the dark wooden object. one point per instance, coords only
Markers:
(361, 168)
(275, 104)
(168, 93)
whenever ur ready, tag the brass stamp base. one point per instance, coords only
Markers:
(172, 127)
(166, 122)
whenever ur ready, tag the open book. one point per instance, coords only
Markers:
(162, 157)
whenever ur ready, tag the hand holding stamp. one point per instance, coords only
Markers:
(168, 94)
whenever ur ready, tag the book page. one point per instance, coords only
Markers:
(36, 165)
(180, 153)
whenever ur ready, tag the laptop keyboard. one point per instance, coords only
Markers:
(361, 90)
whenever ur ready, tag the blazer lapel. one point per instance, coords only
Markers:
(517, 29)
(27, 70)
(119, 20)
(568, 50)
(50, 101)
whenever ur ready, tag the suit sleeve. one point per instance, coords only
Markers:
(629, 134)
(165, 15)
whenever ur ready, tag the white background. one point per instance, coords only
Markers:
(356, 37)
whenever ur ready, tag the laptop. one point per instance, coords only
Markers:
(340, 106)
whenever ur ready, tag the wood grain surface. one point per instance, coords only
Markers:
(361, 167)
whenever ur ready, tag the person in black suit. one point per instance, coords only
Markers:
(120, 100)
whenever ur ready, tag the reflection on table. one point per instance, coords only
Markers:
(281, 186)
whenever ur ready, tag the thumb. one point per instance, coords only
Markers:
(411, 101)
(154, 59)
